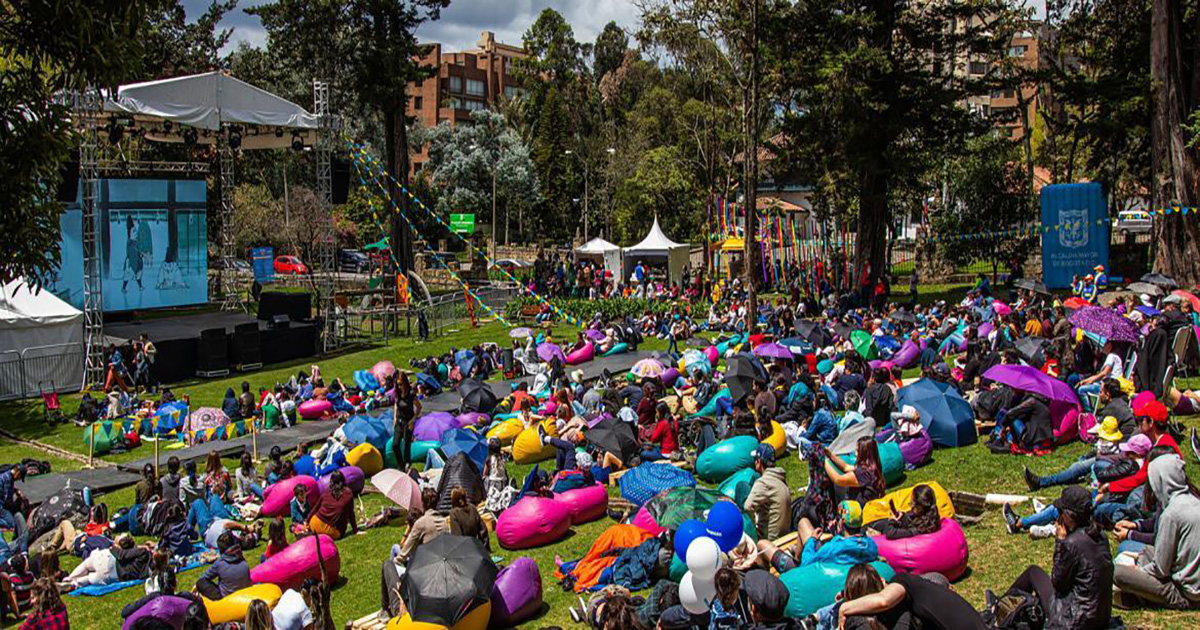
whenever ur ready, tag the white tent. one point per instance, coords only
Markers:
(41, 340)
(208, 101)
(600, 249)
(656, 246)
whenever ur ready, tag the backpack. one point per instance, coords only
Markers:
(1016, 610)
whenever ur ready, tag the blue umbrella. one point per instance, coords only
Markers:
(465, 360)
(430, 382)
(944, 413)
(457, 441)
(695, 360)
(367, 430)
(798, 345)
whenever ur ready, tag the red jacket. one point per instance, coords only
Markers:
(1122, 486)
(664, 435)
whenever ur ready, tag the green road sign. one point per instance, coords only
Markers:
(462, 223)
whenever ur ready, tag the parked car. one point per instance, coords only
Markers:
(289, 265)
(1133, 222)
(353, 261)
(239, 265)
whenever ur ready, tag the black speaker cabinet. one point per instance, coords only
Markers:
(212, 353)
(247, 347)
(68, 185)
(280, 321)
(340, 174)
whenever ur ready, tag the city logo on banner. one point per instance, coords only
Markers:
(1073, 227)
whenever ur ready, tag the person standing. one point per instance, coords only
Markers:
(408, 407)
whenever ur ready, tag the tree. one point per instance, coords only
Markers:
(551, 141)
(174, 47)
(370, 47)
(50, 47)
(1175, 159)
(663, 187)
(609, 52)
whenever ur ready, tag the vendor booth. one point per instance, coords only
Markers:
(601, 252)
(657, 249)
(41, 342)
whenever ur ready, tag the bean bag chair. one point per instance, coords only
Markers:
(669, 376)
(277, 497)
(585, 504)
(171, 610)
(366, 457)
(382, 370)
(619, 348)
(908, 354)
(365, 381)
(472, 418)
(477, 619)
(298, 562)
(233, 606)
(645, 520)
(314, 409)
(516, 594)
(715, 406)
(777, 439)
(815, 586)
(879, 363)
(584, 354)
(985, 329)
(943, 551)
(506, 431)
(878, 509)
(889, 456)
(533, 522)
(737, 486)
(431, 426)
(916, 451)
(528, 447)
(355, 479)
(1067, 426)
(712, 355)
(420, 448)
(726, 457)
(640, 484)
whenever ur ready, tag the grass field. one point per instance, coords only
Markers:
(996, 557)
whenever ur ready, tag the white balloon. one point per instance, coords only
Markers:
(704, 558)
(696, 594)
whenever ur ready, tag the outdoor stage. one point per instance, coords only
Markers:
(177, 340)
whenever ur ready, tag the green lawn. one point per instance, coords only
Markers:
(996, 557)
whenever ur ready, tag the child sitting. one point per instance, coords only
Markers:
(300, 509)
(276, 537)
(15, 585)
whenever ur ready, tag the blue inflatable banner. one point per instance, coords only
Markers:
(262, 259)
(1075, 232)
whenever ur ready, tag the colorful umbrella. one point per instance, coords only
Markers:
(648, 368)
(797, 345)
(1076, 302)
(465, 359)
(944, 413)
(1030, 379)
(676, 505)
(773, 351)
(465, 441)
(399, 488)
(864, 344)
(1001, 308)
(548, 351)
(695, 360)
(431, 426)
(1189, 297)
(593, 334)
(1106, 323)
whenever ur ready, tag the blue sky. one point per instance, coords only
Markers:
(462, 22)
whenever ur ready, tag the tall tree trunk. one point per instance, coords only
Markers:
(396, 146)
(874, 215)
(750, 179)
(1174, 167)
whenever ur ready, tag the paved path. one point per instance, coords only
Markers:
(108, 479)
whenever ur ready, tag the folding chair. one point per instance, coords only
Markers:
(51, 408)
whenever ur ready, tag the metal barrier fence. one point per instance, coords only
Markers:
(36, 369)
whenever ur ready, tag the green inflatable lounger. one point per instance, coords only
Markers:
(890, 458)
(815, 586)
(726, 457)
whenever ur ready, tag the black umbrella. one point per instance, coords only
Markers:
(842, 330)
(614, 436)
(1145, 287)
(740, 376)
(1160, 280)
(1030, 349)
(813, 332)
(476, 396)
(446, 578)
(1032, 285)
(904, 316)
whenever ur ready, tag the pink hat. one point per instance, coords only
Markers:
(1138, 445)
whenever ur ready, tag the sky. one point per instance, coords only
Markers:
(461, 24)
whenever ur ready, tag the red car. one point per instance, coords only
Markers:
(289, 265)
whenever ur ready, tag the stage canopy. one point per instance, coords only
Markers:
(656, 247)
(46, 333)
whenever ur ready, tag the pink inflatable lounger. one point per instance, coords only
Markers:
(277, 498)
(943, 551)
(313, 409)
(298, 562)
(585, 504)
(533, 522)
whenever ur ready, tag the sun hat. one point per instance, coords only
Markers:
(1138, 445)
(1108, 430)
(852, 514)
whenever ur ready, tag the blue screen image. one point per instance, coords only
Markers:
(153, 243)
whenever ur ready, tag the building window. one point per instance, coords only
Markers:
(456, 84)
(1017, 51)
(513, 92)
(979, 67)
(418, 103)
(474, 88)
(473, 106)
(454, 104)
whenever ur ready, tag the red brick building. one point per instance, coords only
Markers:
(463, 82)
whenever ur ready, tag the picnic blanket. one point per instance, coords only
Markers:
(100, 590)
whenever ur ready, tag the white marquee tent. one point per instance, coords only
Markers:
(602, 250)
(657, 247)
(41, 340)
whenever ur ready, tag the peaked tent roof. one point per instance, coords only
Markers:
(208, 100)
(655, 242)
(596, 246)
(22, 307)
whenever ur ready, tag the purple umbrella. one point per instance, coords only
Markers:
(1030, 379)
(1106, 323)
(431, 426)
(520, 333)
(547, 351)
(773, 351)
(594, 335)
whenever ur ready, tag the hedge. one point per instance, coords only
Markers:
(610, 309)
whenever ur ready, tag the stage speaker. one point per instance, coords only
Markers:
(280, 321)
(247, 352)
(297, 306)
(212, 353)
(68, 186)
(340, 173)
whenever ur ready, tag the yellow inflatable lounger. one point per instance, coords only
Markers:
(528, 447)
(777, 439)
(233, 606)
(366, 457)
(507, 431)
(878, 509)
(477, 619)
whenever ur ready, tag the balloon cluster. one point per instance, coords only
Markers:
(702, 545)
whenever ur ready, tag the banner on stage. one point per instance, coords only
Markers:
(262, 259)
(1075, 232)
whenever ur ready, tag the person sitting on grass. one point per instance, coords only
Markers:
(423, 526)
(48, 610)
(1027, 426)
(276, 537)
(923, 518)
(464, 518)
(333, 514)
(769, 500)
(228, 574)
(191, 486)
(249, 485)
(921, 601)
(1108, 440)
(16, 582)
(177, 537)
(215, 474)
(662, 436)
(864, 480)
